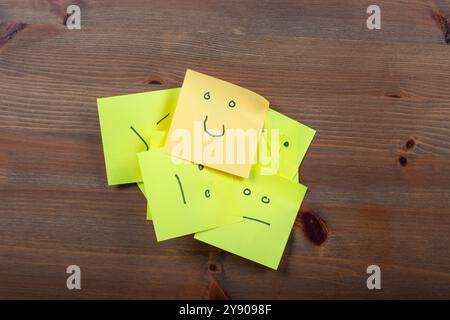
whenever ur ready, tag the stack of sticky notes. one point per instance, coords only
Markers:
(213, 160)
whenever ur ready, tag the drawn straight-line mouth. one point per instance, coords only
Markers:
(257, 220)
(215, 135)
(181, 188)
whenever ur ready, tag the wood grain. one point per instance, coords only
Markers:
(378, 170)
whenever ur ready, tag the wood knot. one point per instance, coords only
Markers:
(403, 161)
(214, 268)
(314, 227)
(9, 30)
(444, 25)
(410, 144)
(155, 82)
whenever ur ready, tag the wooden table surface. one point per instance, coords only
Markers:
(378, 170)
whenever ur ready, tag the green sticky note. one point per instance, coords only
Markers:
(126, 124)
(157, 139)
(142, 188)
(148, 212)
(294, 140)
(268, 205)
(184, 198)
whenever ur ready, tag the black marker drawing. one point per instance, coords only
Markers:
(200, 167)
(286, 144)
(140, 137)
(181, 188)
(162, 118)
(207, 193)
(206, 96)
(212, 134)
(263, 134)
(232, 104)
(265, 199)
(257, 220)
(247, 191)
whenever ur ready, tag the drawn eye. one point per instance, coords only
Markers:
(232, 104)
(286, 144)
(207, 193)
(207, 96)
(265, 199)
(200, 167)
(247, 191)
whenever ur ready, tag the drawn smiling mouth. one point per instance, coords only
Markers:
(215, 135)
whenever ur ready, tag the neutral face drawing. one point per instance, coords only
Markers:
(268, 206)
(264, 199)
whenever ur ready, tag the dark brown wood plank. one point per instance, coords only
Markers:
(378, 170)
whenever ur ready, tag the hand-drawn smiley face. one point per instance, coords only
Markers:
(231, 104)
(209, 111)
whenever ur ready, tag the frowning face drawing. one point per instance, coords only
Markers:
(215, 116)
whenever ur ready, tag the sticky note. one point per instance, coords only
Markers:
(283, 145)
(148, 214)
(184, 198)
(157, 139)
(294, 140)
(141, 187)
(126, 123)
(268, 206)
(216, 124)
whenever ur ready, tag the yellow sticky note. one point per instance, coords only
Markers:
(126, 124)
(184, 198)
(268, 206)
(217, 124)
(294, 140)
